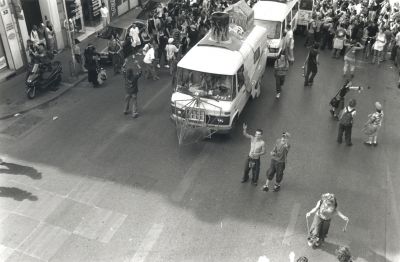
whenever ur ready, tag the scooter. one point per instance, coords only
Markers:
(42, 76)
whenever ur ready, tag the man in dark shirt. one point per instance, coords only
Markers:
(311, 65)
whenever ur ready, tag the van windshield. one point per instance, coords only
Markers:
(273, 28)
(214, 86)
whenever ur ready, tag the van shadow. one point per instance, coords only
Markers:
(17, 194)
(16, 169)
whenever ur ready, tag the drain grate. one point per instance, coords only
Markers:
(21, 126)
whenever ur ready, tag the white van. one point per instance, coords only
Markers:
(274, 16)
(215, 79)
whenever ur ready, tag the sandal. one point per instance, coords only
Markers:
(277, 188)
(265, 188)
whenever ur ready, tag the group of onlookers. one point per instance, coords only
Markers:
(42, 41)
(350, 26)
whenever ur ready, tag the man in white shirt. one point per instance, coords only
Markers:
(104, 14)
(289, 44)
(171, 49)
(148, 63)
(134, 34)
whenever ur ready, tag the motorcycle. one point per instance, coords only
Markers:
(43, 76)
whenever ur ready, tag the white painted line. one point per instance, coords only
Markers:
(151, 100)
(5, 252)
(147, 244)
(292, 224)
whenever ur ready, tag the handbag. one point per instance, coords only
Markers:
(335, 101)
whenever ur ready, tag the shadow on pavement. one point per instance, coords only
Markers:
(360, 250)
(17, 194)
(16, 169)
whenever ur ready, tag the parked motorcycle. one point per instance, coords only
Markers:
(42, 76)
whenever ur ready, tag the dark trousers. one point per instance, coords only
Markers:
(280, 80)
(255, 168)
(276, 168)
(326, 40)
(347, 134)
(310, 38)
(310, 74)
(92, 76)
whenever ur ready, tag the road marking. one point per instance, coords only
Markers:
(147, 244)
(124, 127)
(151, 100)
(190, 175)
(292, 224)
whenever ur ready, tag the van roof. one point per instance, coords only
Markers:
(211, 59)
(272, 11)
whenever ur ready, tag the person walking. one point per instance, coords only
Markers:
(338, 102)
(324, 211)
(350, 57)
(346, 122)
(311, 65)
(161, 52)
(311, 28)
(134, 34)
(104, 13)
(148, 61)
(289, 40)
(373, 124)
(278, 162)
(131, 78)
(338, 41)
(91, 64)
(281, 68)
(257, 149)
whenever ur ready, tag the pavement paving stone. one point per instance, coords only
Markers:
(40, 209)
(87, 189)
(15, 228)
(68, 214)
(5, 252)
(44, 242)
(21, 257)
(58, 182)
(100, 224)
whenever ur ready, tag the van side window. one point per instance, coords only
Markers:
(234, 86)
(257, 55)
(289, 18)
(240, 77)
(283, 27)
(295, 9)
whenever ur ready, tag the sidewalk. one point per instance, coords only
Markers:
(13, 99)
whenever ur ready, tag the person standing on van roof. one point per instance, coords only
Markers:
(257, 149)
(281, 67)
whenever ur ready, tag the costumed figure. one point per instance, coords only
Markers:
(372, 126)
(325, 209)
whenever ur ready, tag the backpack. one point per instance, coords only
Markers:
(347, 117)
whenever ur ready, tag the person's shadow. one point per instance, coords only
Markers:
(16, 169)
(17, 194)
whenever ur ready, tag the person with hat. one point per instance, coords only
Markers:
(171, 50)
(346, 122)
(148, 62)
(278, 162)
(343, 254)
(373, 124)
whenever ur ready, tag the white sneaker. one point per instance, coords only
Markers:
(158, 66)
(278, 95)
(166, 66)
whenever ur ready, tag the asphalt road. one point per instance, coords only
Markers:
(83, 182)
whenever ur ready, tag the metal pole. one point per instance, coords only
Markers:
(72, 44)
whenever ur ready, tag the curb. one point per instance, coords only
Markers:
(48, 98)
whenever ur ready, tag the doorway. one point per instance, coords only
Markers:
(33, 15)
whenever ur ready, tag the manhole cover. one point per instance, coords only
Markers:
(21, 126)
